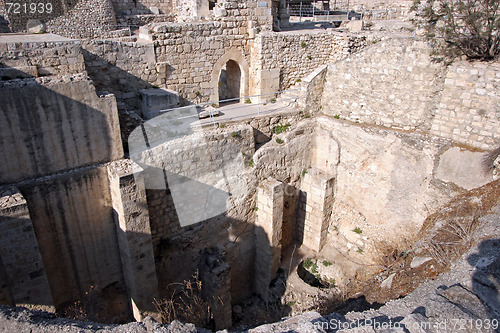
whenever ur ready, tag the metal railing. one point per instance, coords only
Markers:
(241, 107)
(316, 11)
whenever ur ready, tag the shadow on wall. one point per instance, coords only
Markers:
(109, 77)
(49, 131)
(44, 131)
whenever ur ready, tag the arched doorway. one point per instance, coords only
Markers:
(230, 76)
(230, 81)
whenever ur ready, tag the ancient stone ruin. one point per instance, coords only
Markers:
(221, 164)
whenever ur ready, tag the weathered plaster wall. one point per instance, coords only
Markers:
(72, 219)
(387, 180)
(53, 125)
(23, 278)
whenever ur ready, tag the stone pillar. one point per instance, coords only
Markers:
(131, 216)
(268, 231)
(317, 208)
(268, 81)
(24, 282)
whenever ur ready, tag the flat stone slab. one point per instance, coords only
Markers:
(463, 168)
(32, 38)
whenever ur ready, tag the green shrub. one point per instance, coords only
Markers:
(278, 140)
(281, 128)
(357, 230)
(307, 263)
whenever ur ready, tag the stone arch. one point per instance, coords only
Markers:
(239, 58)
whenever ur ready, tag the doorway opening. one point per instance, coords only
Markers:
(230, 82)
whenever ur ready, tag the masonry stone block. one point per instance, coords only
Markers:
(131, 216)
(268, 234)
(318, 186)
(156, 100)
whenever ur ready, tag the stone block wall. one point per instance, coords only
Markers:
(468, 111)
(396, 83)
(50, 125)
(191, 52)
(392, 83)
(213, 157)
(40, 59)
(298, 54)
(123, 68)
(81, 16)
(382, 10)
(163, 217)
(311, 90)
(131, 7)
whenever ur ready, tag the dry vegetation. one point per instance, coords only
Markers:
(185, 302)
(446, 235)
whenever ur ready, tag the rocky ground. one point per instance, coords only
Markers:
(463, 299)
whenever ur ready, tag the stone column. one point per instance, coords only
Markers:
(131, 216)
(24, 282)
(319, 193)
(268, 231)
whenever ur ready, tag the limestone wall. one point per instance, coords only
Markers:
(72, 219)
(382, 10)
(80, 16)
(53, 125)
(468, 111)
(298, 54)
(391, 83)
(40, 59)
(122, 68)
(130, 7)
(195, 53)
(395, 83)
(386, 180)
